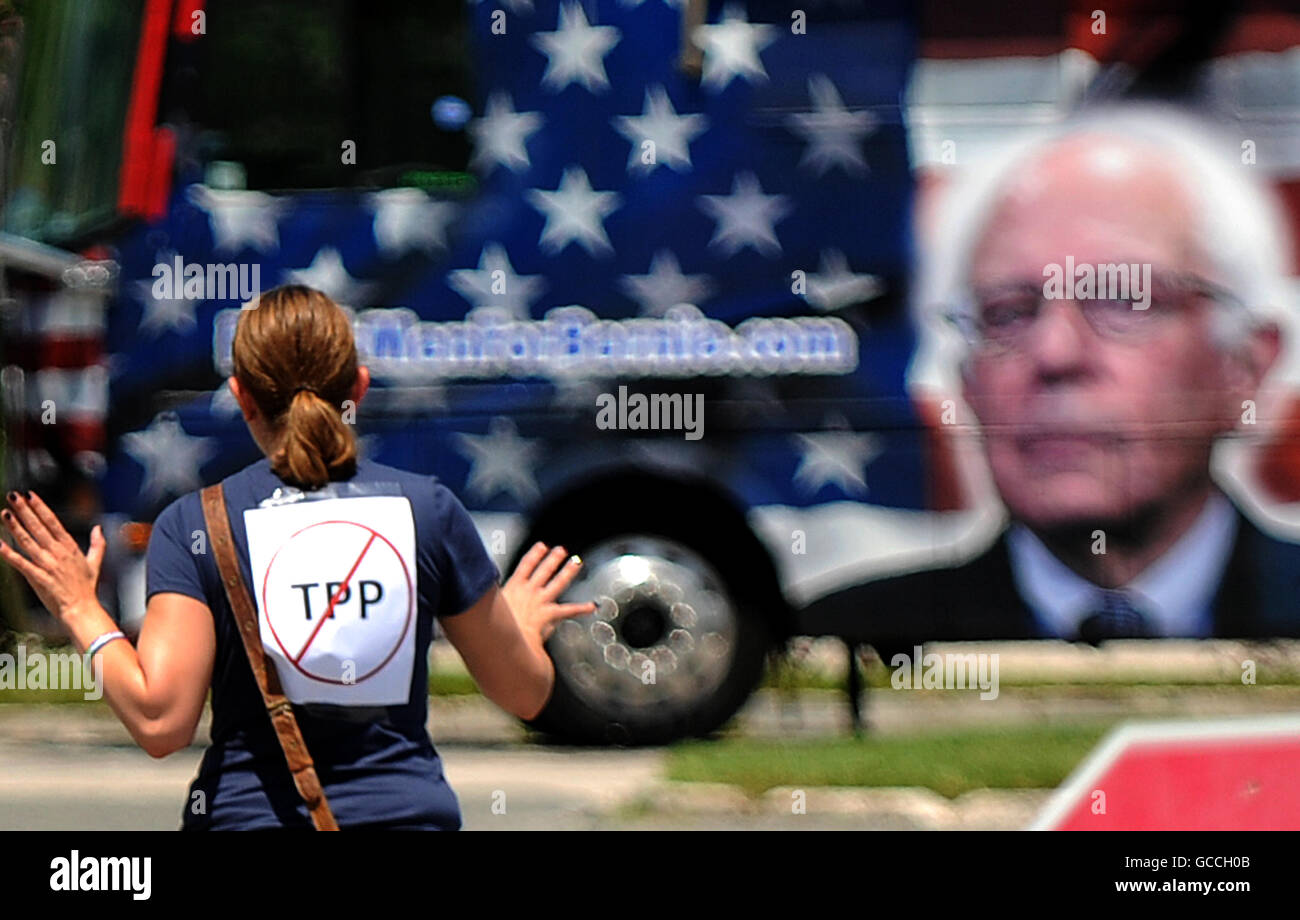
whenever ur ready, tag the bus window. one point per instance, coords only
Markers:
(74, 83)
(276, 88)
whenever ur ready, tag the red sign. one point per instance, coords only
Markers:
(1221, 774)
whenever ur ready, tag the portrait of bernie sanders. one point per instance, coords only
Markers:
(1115, 292)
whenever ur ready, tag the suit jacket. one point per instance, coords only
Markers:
(1258, 597)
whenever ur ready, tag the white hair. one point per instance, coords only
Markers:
(1241, 227)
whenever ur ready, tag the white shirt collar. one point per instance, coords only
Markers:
(1176, 592)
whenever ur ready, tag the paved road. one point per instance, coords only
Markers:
(74, 786)
(74, 767)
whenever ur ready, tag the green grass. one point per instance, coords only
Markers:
(444, 683)
(50, 674)
(452, 683)
(46, 696)
(441, 683)
(876, 675)
(950, 763)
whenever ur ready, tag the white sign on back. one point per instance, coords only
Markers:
(335, 587)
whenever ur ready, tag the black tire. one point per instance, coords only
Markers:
(579, 715)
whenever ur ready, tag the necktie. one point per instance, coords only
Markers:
(1117, 619)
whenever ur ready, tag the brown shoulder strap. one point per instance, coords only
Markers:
(277, 704)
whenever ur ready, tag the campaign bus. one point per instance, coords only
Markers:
(631, 276)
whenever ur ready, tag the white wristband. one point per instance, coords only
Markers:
(103, 641)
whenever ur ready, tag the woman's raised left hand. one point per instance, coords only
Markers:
(542, 575)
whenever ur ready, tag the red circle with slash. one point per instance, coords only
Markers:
(295, 659)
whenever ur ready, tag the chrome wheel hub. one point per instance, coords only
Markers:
(663, 634)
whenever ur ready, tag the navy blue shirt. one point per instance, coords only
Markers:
(378, 765)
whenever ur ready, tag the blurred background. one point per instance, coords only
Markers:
(444, 168)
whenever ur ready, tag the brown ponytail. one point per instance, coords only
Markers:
(295, 354)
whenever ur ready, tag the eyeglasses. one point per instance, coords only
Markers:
(998, 320)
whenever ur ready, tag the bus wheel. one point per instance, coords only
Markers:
(672, 651)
